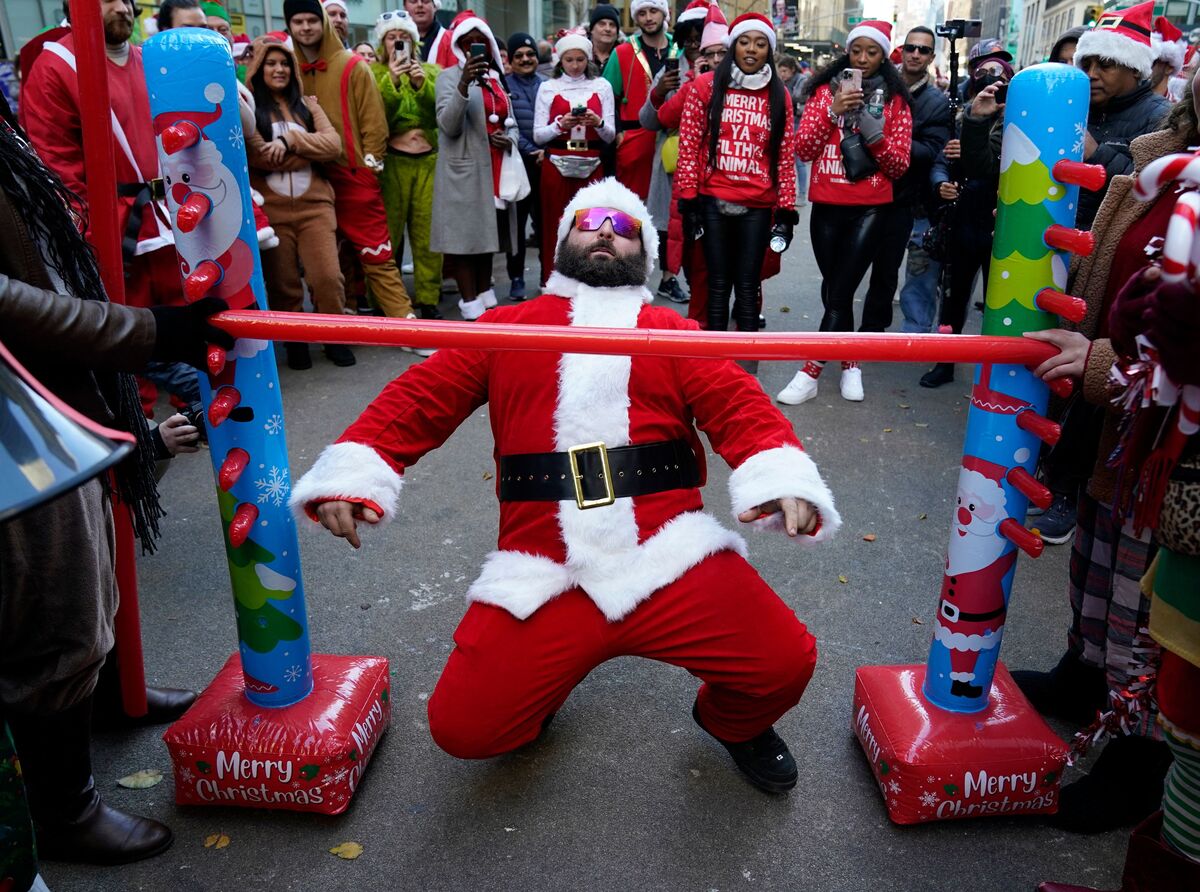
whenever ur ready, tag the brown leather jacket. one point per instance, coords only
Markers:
(72, 346)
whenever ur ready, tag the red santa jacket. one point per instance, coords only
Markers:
(50, 115)
(543, 402)
(742, 172)
(818, 140)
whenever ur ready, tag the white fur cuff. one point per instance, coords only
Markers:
(782, 472)
(348, 471)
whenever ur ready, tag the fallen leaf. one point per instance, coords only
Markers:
(140, 780)
(887, 430)
(347, 851)
(905, 406)
(842, 579)
(864, 440)
(487, 475)
(785, 309)
(918, 622)
(870, 537)
(922, 516)
(216, 841)
(922, 424)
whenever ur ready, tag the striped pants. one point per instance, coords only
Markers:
(1179, 700)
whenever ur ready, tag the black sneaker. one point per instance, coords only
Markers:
(1058, 523)
(340, 354)
(298, 357)
(1071, 690)
(1124, 787)
(672, 291)
(429, 311)
(942, 373)
(765, 760)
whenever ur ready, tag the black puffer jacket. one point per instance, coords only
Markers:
(931, 131)
(1114, 127)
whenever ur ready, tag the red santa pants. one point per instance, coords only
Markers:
(719, 621)
(635, 160)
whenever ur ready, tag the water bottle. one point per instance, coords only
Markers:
(875, 104)
(781, 237)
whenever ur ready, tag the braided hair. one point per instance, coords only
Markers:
(54, 217)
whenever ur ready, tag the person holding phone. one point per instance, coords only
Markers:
(573, 117)
(857, 152)
(477, 137)
(523, 86)
(407, 87)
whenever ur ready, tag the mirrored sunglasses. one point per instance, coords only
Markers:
(591, 219)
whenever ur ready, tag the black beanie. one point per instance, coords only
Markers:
(604, 11)
(518, 40)
(295, 7)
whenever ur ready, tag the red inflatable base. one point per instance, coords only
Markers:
(309, 756)
(934, 765)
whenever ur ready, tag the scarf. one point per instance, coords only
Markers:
(739, 80)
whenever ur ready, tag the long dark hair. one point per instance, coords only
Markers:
(893, 85)
(54, 217)
(266, 111)
(777, 96)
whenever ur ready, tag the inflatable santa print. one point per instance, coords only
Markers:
(604, 549)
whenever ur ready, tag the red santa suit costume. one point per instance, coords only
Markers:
(567, 589)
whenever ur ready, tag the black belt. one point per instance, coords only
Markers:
(142, 194)
(577, 145)
(594, 475)
(955, 615)
(628, 125)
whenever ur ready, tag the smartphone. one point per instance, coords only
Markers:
(1002, 94)
(671, 63)
(579, 111)
(478, 50)
(851, 80)
(400, 53)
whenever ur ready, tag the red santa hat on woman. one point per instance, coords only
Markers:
(573, 39)
(716, 28)
(1166, 44)
(661, 5)
(749, 22)
(464, 23)
(880, 32)
(696, 11)
(609, 193)
(1122, 36)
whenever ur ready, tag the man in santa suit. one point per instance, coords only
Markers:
(603, 549)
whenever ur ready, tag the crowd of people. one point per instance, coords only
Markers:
(693, 145)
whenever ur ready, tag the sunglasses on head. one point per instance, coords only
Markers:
(915, 48)
(591, 219)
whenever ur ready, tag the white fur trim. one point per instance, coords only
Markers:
(565, 286)
(749, 25)
(959, 641)
(1108, 44)
(962, 676)
(348, 471)
(612, 194)
(885, 42)
(467, 25)
(325, 4)
(692, 14)
(661, 5)
(396, 22)
(778, 472)
(519, 582)
(573, 42)
(1171, 51)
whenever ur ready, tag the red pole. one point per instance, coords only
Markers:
(100, 173)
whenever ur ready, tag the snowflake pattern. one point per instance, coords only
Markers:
(291, 673)
(930, 779)
(340, 775)
(185, 775)
(274, 425)
(236, 139)
(893, 786)
(1080, 133)
(274, 487)
(929, 800)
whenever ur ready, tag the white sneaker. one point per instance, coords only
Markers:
(407, 269)
(801, 389)
(489, 298)
(420, 351)
(472, 309)
(852, 388)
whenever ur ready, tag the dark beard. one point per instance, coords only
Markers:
(619, 272)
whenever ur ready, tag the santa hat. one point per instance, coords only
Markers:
(214, 93)
(1122, 36)
(395, 20)
(325, 4)
(696, 11)
(716, 28)
(751, 21)
(896, 57)
(464, 23)
(880, 32)
(573, 39)
(988, 469)
(1166, 44)
(609, 193)
(661, 5)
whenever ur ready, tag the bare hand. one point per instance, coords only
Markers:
(668, 82)
(984, 105)
(341, 519)
(1070, 361)
(397, 69)
(953, 150)
(499, 140)
(538, 156)
(566, 122)
(798, 515)
(848, 101)
(475, 70)
(591, 119)
(274, 152)
(1089, 145)
(416, 74)
(179, 435)
(948, 191)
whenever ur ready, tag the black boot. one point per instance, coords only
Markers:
(71, 820)
(1071, 690)
(163, 705)
(298, 357)
(942, 373)
(1125, 786)
(765, 759)
(340, 355)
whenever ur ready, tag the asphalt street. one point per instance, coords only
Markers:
(623, 792)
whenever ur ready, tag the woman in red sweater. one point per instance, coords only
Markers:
(848, 198)
(736, 177)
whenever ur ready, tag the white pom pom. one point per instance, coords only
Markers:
(510, 122)
(493, 119)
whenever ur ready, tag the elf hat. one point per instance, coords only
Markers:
(880, 32)
(661, 5)
(748, 22)
(573, 39)
(1122, 36)
(1166, 44)
(395, 20)
(716, 28)
(609, 193)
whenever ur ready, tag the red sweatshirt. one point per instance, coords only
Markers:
(742, 173)
(818, 140)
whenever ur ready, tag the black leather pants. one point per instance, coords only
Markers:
(845, 240)
(733, 252)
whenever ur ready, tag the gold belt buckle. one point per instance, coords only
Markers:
(577, 477)
(577, 145)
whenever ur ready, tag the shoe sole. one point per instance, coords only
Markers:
(800, 402)
(1057, 540)
(767, 786)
